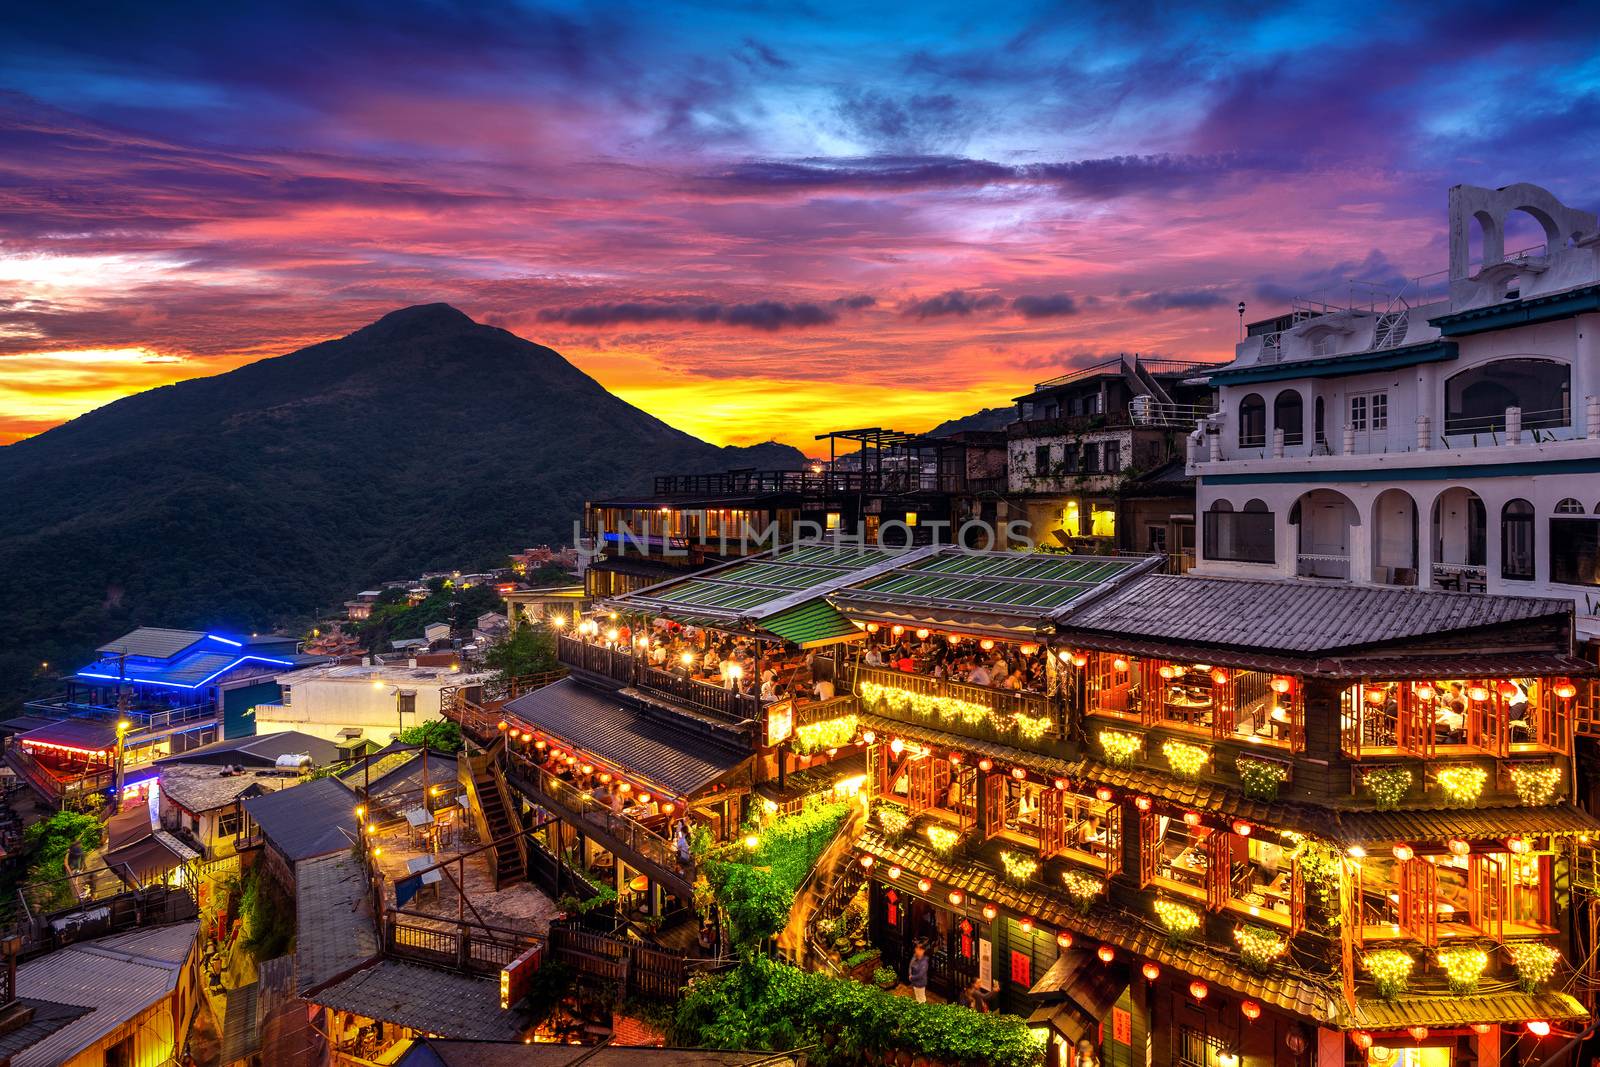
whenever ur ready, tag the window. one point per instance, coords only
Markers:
(1475, 400)
(1091, 457)
(1041, 459)
(1155, 538)
(1288, 415)
(1575, 551)
(1516, 541)
(1182, 855)
(1260, 877)
(833, 520)
(1369, 412)
(1113, 457)
(911, 518)
(1246, 536)
(1569, 506)
(1102, 521)
(1071, 520)
(229, 823)
(1069, 457)
(1252, 421)
(1094, 832)
(1527, 892)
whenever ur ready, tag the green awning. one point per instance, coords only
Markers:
(814, 623)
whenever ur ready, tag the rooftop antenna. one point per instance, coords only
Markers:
(1241, 320)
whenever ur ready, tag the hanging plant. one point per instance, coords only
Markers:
(1321, 868)
(828, 733)
(1186, 760)
(1260, 778)
(1535, 783)
(1259, 947)
(922, 705)
(943, 839)
(1180, 920)
(1390, 969)
(1082, 889)
(1535, 962)
(1388, 785)
(1031, 727)
(1463, 967)
(894, 821)
(1120, 748)
(1462, 785)
(1019, 868)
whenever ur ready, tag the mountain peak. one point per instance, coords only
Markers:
(419, 319)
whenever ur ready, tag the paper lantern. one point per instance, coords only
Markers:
(1424, 693)
(1403, 852)
(1481, 1028)
(1519, 845)
(1025, 924)
(1106, 953)
(1061, 784)
(1198, 989)
(867, 862)
(1538, 1028)
(868, 736)
(1119, 665)
(986, 644)
(1250, 1009)
(956, 898)
(1478, 693)
(1028, 650)
(954, 639)
(897, 746)
(1459, 847)
(1241, 828)
(1507, 689)
(1065, 655)
(1167, 672)
(1103, 795)
(1281, 685)
(1361, 1039)
(1142, 803)
(922, 635)
(1064, 939)
(1018, 773)
(986, 765)
(872, 627)
(588, 768)
(1566, 690)
(1417, 1032)
(1373, 695)
(894, 872)
(1191, 818)
(955, 757)
(1151, 971)
(924, 884)
(502, 726)
(1080, 660)
(897, 630)
(990, 911)
(1219, 676)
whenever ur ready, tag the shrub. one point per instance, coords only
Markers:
(441, 735)
(1390, 969)
(1082, 889)
(820, 736)
(1462, 785)
(1388, 785)
(756, 888)
(1535, 784)
(1259, 947)
(1120, 748)
(766, 1005)
(46, 844)
(1186, 760)
(1463, 967)
(1179, 920)
(885, 978)
(1535, 963)
(894, 820)
(1261, 778)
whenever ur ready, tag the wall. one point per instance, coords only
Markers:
(325, 706)
(236, 705)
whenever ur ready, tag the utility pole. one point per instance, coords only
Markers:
(123, 726)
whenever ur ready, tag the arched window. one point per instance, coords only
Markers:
(1475, 400)
(1239, 536)
(1516, 541)
(1288, 415)
(1252, 421)
(1569, 506)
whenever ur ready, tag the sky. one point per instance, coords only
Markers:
(757, 221)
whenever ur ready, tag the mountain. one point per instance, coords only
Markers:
(255, 497)
(987, 419)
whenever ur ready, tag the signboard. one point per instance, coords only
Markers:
(515, 976)
(780, 722)
(1121, 1026)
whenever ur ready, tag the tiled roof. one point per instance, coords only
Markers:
(624, 737)
(1300, 996)
(202, 787)
(89, 734)
(432, 1001)
(498, 1054)
(334, 927)
(1453, 1011)
(309, 820)
(153, 641)
(261, 750)
(1296, 616)
(118, 977)
(47, 1018)
(1441, 824)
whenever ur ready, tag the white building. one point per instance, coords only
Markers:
(1450, 441)
(349, 703)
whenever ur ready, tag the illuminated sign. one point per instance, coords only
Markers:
(780, 722)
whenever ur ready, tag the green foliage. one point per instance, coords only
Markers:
(885, 978)
(399, 620)
(530, 650)
(268, 913)
(768, 1005)
(572, 905)
(1321, 868)
(441, 735)
(46, 844)
(856, 959)
(756, 887)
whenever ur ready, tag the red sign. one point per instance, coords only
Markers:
(1121, 1026)
(1021, 967)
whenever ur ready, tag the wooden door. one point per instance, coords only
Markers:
(1416, 722)
(1419, 883)
(967, 798)
(920, 795)
(1052, 823)
(1489, 723)
(994, 805)
(1219, 869)
(1488, 888)
(1554, 728)
(1149, 847)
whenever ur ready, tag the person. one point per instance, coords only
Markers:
(917, 973)
(822, 689)
(769, 692)
(1086, 1057)
(976, 998)
(658, 653)
(979, 675)
(873, 658)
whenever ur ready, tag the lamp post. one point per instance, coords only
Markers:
(123, 726)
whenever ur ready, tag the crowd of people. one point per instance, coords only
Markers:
(1001, 666)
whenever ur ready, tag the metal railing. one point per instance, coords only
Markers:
(1322, 565)
(142, 718)
(1144, 411)
(576, 805)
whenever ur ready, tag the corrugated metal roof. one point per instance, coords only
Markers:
(1295, 616)
(309, 820)
(153, 641)
(597, 723)
(260, 750)
(432, 1001)
(334, 928)
(810, 625)
(118, 977)
(91, 735)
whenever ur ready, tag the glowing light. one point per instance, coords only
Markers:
(1103, 795)
(1167, 671)
(1517, 845)
(1356, 852)
(897, 746)
(1018, 773)
(1219, 676)
(1281, 685)
(1151, 971)
(986, 644)
(1417, 1032)
(1106, 953)
(1251, 1010)
(897, 630)
(1241, 828)
(1198, 989)
(986, 765)
(1028, 650)
(1025, 924)
(1119, 665)
(868, 737)
(922, 635)
(867, 861)
(1142, 803)
(1566, 690)
(753, 842)
(1478, 693)
(872, 627)
(1459, 847)
(686, 658)
(1538, 1028)
(1191, 818)
(1403, 853)
(924, 884)
(956, 898)
(1079, 659)
(894, 872)
(1361, 1039)
(1064, 939)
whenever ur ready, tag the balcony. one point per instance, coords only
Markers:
(1323, 565)
(724, 705)
(1020, 719)
(147, 719)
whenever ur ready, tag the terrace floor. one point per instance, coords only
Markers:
(519, 906)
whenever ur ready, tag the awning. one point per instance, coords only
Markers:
(21, 724)
(128, 827)
(149, 860)
(812, 625)
(1077, 993)
(82, 735)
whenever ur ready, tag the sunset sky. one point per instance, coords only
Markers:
(755, 221)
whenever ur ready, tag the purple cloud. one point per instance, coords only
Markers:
(1047, 306)
(953, 302)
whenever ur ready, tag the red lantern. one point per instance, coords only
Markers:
(1478, 693)
(1064, 939)
(1198, 989)
(986, 765)
(1403, 852)
(1566, 690)
(1219, 676)
(1061, 783)
(1025, 924)
(1191, 818)
(502, 726)
(1374, 695)
(1142, 803)
(924, 884)
(1538, 1028)
(1518, 845)
(1424, 693)
(1167, 672)
(1361, 1039)
(956, 898)
(1459, 847)
(1481, 1028)
(1151, 971)
(1106, 953)
(1419, 1033)
(955, 757)
(1282, 684)
(990, 911)
(894, 872)
(1119, 665)
(867, 862)
(1507, 689)
(1079, 659)
(1241, 828)
(1251, 1010)
(1103, 795)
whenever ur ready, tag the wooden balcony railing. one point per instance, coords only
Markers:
(578, 807)
(724, 704)
(458, 944)
(1024, 720)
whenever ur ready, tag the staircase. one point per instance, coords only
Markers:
(833, 880)
(491, 807)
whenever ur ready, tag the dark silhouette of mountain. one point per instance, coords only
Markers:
(987, 419)
(256, 497)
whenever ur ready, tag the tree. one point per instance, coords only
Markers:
(441, 735)
(529, 650)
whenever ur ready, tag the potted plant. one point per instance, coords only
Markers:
(885, 978)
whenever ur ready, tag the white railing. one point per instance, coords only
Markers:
(1144, 411)
(1323, 565)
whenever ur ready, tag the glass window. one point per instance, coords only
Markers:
(1113, 454)
(1516, 541)
(1246, 536)
(1358, 413)
(1091, 457)
(1022, 808)
(1575, 551)
(1072, 520)
(1476, 399)
(1102, 521)
(1252, 421)
(1182, 855)
(1254, 709)
(1041, 459)
(1094, 832)
(1288, 415)
(1259, 876)
(1527, 892)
